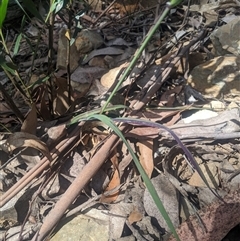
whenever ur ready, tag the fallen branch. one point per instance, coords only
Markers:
(76, 187)
(37, 169)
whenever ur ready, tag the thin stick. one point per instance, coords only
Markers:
(76, 187)
(36, 170)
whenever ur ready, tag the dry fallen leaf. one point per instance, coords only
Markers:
(146, 156)
(22, 139)
(62, 53)
(61, 102)
(134, 216)
(30, 123)
(210, 172)
(115, 182)
(40, 95)
(108, 79)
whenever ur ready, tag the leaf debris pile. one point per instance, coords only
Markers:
(53, 158)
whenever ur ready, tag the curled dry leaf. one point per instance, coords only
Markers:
(23, 139)
(146, 157)
(62, 103)
(115, 182)
(30, 123)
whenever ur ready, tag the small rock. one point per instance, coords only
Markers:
(93, 225)
(168, 195)
(217, 76)
(88, 40)
(215, 105)
(226, 38)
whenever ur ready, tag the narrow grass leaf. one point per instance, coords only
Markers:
(85, 115)
(21, 7)
(3, 11)
(9, 67)
(38, 82)
(17, 44)
(174, 3)
(189, 156)
(30, 6)
(109, 122)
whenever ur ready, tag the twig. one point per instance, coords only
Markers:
(76, 187)
(157, 80)
(11, 104)
(110, 5)
(36, 170)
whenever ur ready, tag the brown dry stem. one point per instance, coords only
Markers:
(76, 187)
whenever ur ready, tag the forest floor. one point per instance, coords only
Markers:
(74, 129)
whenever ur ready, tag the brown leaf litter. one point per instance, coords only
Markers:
(85, 170)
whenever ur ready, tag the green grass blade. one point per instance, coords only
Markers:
(20, 6)
(174, 3)
(52, 9)
(85, 115)
(109, 122)
(30, 6)
(9, 67)
(3, 11)
(189, 156)
(38, 82)
(17, 44)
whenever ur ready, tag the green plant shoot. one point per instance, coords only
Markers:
(3, 11)
(109, 122)
(138, 53)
